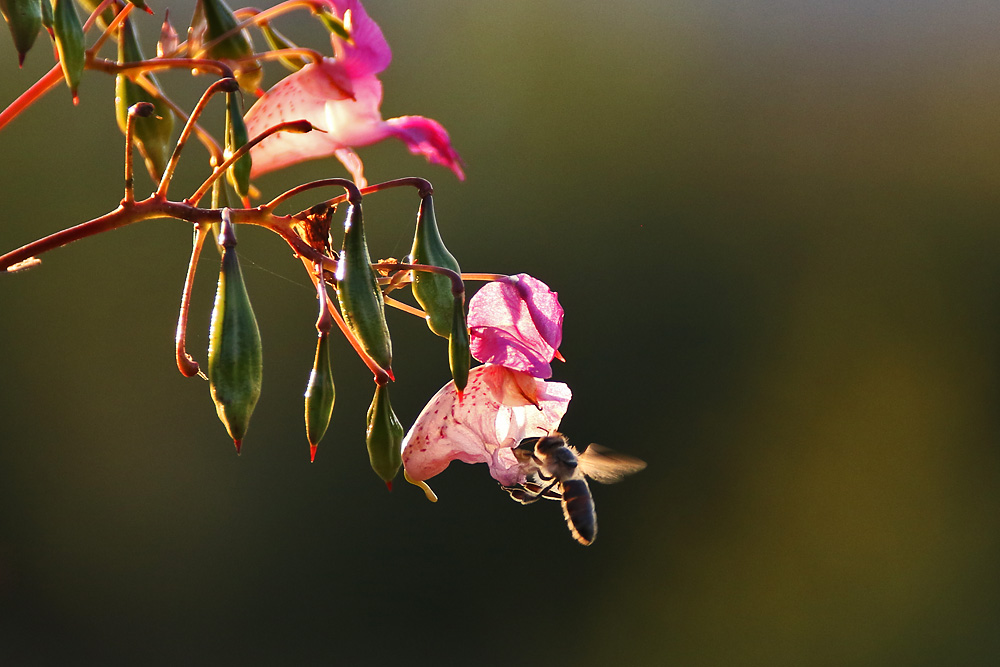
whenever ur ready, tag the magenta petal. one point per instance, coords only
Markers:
(368, 52)
(516, 322)
(427, 137)
(482, 427)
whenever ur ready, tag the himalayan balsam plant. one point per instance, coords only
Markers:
(504, 412)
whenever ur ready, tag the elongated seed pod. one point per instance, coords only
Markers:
(459, 355)
(236, 136)
(219, 20)
(69, 43)
(235, 363)
(47, 17)
(432, 290)
(320, 395)
(359, 295)
(384, 437)
(153, 134)
(24, 18)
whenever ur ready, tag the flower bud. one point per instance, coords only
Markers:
(277, 41)
(384, 437)
(459, 355)
(320, 395)
(169, 40)
(236, 136)
(153, 134)
(69, 43)
(359, 294)
(234, 352)
(219, 20)
(24, 18)
(432, 290)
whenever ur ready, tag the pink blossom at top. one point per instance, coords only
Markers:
(516, 322)
(342, 96)
(499, 408)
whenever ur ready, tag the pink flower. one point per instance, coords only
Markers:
(499, 408)
(516, 322)
(516, 326)
(342, 96)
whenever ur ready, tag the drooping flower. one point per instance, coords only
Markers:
(516, 325)
(342, 96)
(516, 322)
(499, 408)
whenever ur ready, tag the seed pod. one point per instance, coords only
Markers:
(277, 41)
(432, 290)
(384, 437)
(236, 136)
(359, 294)
(234, 352)
(47, 17)
(219, 20)
(24, 18)
(320, 395)
(153, 134)
(69, 42)
(459, 356)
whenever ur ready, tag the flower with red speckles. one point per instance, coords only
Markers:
(516, 326)
(499, 408)
(341, 96)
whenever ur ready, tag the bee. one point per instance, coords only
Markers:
(555, 470)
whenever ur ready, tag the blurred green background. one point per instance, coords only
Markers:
(773, 226)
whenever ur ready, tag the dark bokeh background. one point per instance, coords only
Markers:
(774, 229)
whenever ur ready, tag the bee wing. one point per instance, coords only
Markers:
(608, 466)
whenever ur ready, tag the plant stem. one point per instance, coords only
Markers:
(185, 363)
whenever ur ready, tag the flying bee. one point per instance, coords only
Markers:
(556, 471)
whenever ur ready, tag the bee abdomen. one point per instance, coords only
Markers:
(578, 508)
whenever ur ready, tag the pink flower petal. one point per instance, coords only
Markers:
(427, 137)
(346, 108)
(492, 417)
(368, 52)
(516, 322)
(302, 95)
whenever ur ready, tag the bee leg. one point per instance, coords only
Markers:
(521, 494)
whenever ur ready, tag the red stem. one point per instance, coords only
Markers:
(31, 95)
(185, 364)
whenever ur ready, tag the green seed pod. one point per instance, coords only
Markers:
(234, 352)
(359, 294)
(236, 136)
(24, 18)
(384, 437)
(277, 41)
(69, 42)
(432, 290)
(47, 17)
(152, 135)
(219, 20)
(320, 395)
(459, 356)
